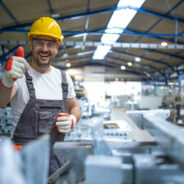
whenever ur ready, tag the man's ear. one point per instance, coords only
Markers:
(58, 44)
(57, 48)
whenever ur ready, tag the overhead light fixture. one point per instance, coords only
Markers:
(84, 53)
(123, 67)
(68, 65)
(101, 51)
(164, 44)
(114, 27)
(129, 63)
(77, 46)
(79, 35)
(55, 15)
(64, 55)
(137, 59)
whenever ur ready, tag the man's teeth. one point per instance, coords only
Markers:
(43, 56)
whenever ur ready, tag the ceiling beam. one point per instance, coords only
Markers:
(87, 20)
(82, 15)
(73, 63)
(102, 31)
(8, 53)
(140, 64)
(156, 23)
(130, 69)
(50, 7)
(145, 58)
(8, 12)
(95, 44)
(165, 53)
(135, 63)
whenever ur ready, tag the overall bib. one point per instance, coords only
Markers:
(39, 117)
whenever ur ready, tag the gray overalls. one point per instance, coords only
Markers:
(39, 117)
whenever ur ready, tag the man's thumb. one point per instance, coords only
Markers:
(20, 51)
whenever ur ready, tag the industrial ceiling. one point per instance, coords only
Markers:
(83, 23)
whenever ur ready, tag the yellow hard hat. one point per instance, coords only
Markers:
(46, 26)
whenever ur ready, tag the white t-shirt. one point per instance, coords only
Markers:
(47, 86)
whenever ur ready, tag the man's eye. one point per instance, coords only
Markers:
(39, 42)
(50, 43)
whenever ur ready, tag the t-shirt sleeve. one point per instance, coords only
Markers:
(71, 91)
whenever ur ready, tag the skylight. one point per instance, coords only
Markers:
(120, 19)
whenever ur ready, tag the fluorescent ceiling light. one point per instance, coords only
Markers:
(123, 67)
(55, 15)
(120, 19)
(164, 44)
(84, 53)
(64, 55)
(77, 46)
(68, 65)
(101, 51)
(129, 63)
(138, 59)
(79, 35)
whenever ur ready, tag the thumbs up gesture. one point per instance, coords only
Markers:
(15, 68)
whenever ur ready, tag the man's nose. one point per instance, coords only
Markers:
(45, 46)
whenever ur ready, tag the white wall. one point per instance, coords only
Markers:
(150, 102)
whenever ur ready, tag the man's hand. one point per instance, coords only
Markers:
(15, 68)
(65, 122)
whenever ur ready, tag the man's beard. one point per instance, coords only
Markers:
(40, 64)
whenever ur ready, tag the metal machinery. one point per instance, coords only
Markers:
(140, 148)
(5, 121)
(175, 102)
(87, 109)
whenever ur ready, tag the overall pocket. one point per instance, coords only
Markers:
(46, 122)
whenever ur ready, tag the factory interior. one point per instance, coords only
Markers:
(126, 61)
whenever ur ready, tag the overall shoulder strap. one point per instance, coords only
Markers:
(64, 84)
(29, 82)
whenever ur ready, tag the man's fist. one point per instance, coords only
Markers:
(65, 122)
(15, 68)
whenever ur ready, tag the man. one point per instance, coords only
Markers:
(42, 97)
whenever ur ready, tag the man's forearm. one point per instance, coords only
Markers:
(74, 108)
(76, 112)
(5, 95)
